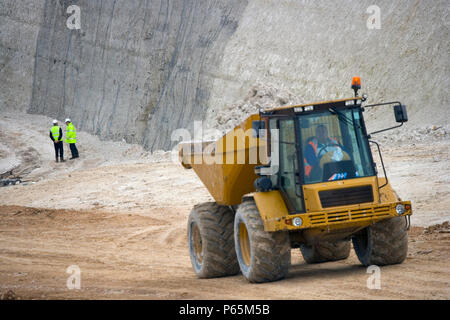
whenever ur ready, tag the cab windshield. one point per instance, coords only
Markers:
(333, 146)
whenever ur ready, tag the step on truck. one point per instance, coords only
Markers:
(299, 177)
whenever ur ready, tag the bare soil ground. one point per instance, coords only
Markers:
(144, 256)
(121, 216)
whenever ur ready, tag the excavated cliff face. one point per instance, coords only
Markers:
(314, 48)
(137, 70)
(20, 22)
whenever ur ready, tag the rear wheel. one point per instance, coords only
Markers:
(326, 251)
(262, 256)
(383, 243)
(211, 243)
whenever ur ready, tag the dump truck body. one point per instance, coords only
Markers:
(224, 166)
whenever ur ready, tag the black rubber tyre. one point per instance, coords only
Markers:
(326, 251)
(262, 256)
(211, 241)
(383, 243)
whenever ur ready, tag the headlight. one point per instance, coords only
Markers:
(297, 222)
(400, 209)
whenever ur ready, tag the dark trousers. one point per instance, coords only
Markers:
(59, 149)
(74, 150)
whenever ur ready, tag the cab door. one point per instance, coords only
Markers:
(289, 180)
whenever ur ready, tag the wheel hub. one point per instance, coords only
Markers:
(244, 243)
(197, 241)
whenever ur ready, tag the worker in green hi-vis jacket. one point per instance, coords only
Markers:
(71, 138)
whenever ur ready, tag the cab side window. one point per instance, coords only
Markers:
(289, 174)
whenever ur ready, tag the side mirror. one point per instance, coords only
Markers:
(400, 113)
(256, 126)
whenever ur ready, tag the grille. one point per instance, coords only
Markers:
(342, 197)
(336, 217)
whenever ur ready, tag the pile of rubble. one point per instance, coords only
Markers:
(260, 97)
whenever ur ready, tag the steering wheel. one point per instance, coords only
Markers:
(332, 144)
(330, 156)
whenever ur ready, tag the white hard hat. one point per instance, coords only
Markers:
(55, 121)
(67, 120)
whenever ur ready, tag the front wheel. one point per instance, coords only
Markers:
(263, 256)
(383, 243)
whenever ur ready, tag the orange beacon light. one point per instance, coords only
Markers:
(356, 85)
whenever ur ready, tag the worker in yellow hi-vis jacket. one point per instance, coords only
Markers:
(71, 138)
(57, 136)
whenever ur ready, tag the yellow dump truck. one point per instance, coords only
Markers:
(301, 176)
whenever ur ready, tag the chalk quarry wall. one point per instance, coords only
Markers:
(138, 69)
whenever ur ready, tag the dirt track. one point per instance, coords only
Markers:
(123, 256)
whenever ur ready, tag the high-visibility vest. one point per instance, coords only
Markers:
(314, 144)
(308, 167)
(71, 135)
(55, 133)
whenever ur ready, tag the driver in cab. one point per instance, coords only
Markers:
(318, 146)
